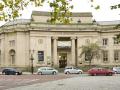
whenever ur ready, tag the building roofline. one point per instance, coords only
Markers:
(74, 14)
(17, 22)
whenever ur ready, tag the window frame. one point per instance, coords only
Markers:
(40, 56)
(105, 56)
(116, 55)
(105, 41)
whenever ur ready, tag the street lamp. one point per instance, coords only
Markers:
(31, 59)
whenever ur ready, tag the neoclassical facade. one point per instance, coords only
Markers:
(56, 44)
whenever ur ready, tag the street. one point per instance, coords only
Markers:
(59, 82)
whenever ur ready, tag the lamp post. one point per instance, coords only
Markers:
(31, 59)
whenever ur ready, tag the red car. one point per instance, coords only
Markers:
(100, 71)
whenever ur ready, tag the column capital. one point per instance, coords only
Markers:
(73, 37)
(55, 37)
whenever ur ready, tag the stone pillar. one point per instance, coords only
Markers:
(73, 51)
(3, 62)
(55, 61)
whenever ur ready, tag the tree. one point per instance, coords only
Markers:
(90, 51)
(10, 9)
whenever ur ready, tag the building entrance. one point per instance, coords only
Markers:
(62, 60)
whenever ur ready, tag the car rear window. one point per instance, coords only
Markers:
(68, 68)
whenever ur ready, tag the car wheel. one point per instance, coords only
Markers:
(115, 72)
(39, 73)
(79, 72)
(110, 74)
(17, 73)
(54, 73)
(67, 72)
(94, 74)
(6, 73)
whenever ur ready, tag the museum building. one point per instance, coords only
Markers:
(56, 44)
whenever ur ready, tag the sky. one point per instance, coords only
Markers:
(103, 14)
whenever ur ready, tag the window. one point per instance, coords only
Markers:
(49, 68)
(40, 55)
(43, 68)
(116, 55)
(12, 42)
(105, 41)
(12, 57)
(105, 56)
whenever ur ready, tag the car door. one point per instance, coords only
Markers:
(118, 69)
(103, 71)
(71, 70)
(98, 71)
(49, 70)
(6, 71)
(75, 70)
(43, 70)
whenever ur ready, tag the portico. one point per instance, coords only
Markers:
(64, 51)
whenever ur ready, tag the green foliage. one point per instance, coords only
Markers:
(117, 37)
(10, 9)
(97, 7)
(90, 51)
(115, 6)
(61, 11)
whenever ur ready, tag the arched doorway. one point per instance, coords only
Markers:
(12, 56)
(62, 60)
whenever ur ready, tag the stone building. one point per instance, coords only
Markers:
(56, 44)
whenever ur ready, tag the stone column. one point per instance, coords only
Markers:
(55, 61)
(73, 51)
(3, 62)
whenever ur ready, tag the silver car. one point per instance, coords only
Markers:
(46, 71)
(72, 70)
(116, 70)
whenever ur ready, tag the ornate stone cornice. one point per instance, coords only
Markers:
(60, 27)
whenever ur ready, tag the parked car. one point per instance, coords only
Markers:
(11, 71)
(72, 70)
(47, 70)
(116, 70)
(100, 71)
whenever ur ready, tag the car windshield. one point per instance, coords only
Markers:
(46, 68)
(13, 69)
(75, 68)
(68, 68)
(116, 67)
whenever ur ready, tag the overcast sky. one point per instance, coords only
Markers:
(103, 14)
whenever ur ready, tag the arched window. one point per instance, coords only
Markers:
(12, 57)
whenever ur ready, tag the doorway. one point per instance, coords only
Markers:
(62, 60)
